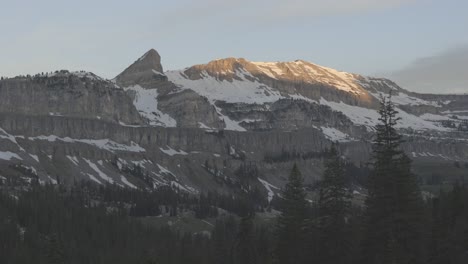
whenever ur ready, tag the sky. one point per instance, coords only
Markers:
(421, 44)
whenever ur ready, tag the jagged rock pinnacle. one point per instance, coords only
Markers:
(146, 69)
(150, 60)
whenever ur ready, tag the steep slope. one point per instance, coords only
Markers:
(68, 94)
(158, 100)
(229, 125)
(234, 83)
(146, 69)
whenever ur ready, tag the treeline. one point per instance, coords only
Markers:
(50, 224)
(168, 200)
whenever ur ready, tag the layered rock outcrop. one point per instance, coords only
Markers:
(200, 128)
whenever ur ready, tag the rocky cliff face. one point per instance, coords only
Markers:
(218, 126)
(238, 82)
(146, 70)
(76, 94)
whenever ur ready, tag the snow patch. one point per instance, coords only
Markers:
(73, 159)
(335, 135)
(35, 157)
(164, 170)
(146, 102)
(229, 123)
(175, 184)
(370, 118)
(7, 155)
(92, 178)
(5, 135)
(405, 99)
(52, 180)
(301, 97)
(171, 152)
(126, 182)
(268, 186)
(433, 117)
(99, 172)
(106, 144)
(203, 126)
(358, 115)
(158, 73)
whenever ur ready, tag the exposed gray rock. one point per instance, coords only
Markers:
(228, 114)
(190, 110)
(78, 94)
(145, 71)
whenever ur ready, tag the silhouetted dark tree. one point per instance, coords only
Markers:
(291, 225)
(334, 207)
(393, 231)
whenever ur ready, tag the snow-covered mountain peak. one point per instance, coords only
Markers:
(303, 71)
(236, 94)
(298, 71)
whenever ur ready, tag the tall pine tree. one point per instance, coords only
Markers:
(393, 231)
(334, 209)
(245, 247)
(291, 238)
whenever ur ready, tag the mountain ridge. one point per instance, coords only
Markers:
(206, 127)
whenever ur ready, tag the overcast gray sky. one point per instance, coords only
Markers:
(420, 43)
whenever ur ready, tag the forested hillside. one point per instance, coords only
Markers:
(86, 223)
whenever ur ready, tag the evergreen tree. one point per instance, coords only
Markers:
(449, 240)
(439, 245)
(246, 252)
(54, 250)
(334, 209)
(290, 228)
(224, 236)
(393, 231)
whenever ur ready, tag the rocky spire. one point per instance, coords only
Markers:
(150, 60)
(145, 70)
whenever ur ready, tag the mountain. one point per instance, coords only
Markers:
(225, 125)
(146, 69)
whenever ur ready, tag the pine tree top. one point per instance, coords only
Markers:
(387, 140)
(293, 195)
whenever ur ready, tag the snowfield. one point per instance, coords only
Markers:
(246, 88)
(235, 91)
(311, 73)
(369, 117)
(146, 102)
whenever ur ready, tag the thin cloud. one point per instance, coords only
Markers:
(262, 12)
(443, 73)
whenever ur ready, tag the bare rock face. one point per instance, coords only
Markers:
(198, 128)
(183, 108)
(190, 110)
(145, 71)
(68, 94)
